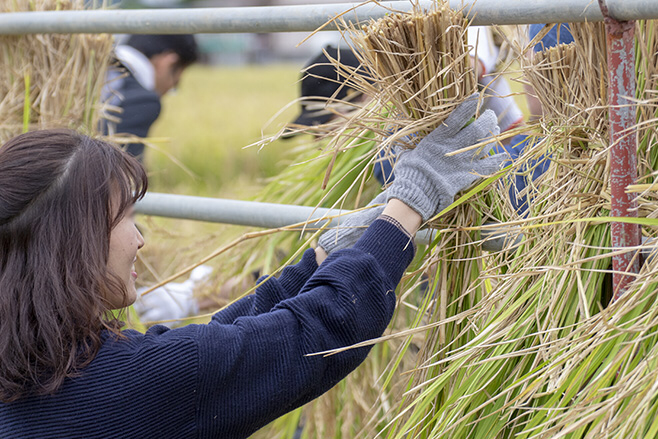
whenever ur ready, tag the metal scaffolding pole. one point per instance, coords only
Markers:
(271, 215)
(306, 17)
(623, 146)
(238, 212)
(243, 213)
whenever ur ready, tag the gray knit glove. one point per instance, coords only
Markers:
(427, 180)
(351, 227)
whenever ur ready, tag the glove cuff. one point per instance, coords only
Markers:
(339, 238)
(347, 232)
(418, 190)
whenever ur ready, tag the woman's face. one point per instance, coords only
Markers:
(125, 240)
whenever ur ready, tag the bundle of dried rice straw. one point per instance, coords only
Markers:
(571, 81)
(420, 62)
(417, 70)
(550, 357)
(51, 80)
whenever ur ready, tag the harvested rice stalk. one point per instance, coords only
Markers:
(421, 63)
(420, 84)
(552, 282)
(547, 359)
(417, 70)
(465, 389)
(50, 80)
(571, 82)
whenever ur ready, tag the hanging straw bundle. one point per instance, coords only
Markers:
(49, 81)
(420, 62)
(570, 81)
(415, 69)
(469, 385)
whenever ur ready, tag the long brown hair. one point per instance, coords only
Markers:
(56, 216)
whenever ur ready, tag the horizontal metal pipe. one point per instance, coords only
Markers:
(270, 215)
(243, 213)
(237, 212)
(305, 18)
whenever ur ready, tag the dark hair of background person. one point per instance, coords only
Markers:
(322, 79)
(183, 45)
(61, 194)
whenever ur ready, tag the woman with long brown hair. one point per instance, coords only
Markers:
(68, 244)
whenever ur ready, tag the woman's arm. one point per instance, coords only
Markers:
(408, 218)
(271, 290)
(259, 367)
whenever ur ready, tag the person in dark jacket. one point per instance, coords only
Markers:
(148, 67)
(69, 245)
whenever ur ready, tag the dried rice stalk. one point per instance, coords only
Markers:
(420, 62)
(522, 348)
(571, 81)
(49, 81)
(546, 361)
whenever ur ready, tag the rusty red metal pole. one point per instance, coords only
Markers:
(623, 152)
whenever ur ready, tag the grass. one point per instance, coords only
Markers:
(213, 115)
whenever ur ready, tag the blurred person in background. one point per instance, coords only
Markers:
(498, 96)
(554, 35)
(148, 66)
(320, 81)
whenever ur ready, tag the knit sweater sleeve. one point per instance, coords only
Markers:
(257, 367)
(270, 291)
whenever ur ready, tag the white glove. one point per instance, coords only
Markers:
(173, 301)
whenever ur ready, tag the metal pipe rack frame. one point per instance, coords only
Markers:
(271, 215)
(308, 17)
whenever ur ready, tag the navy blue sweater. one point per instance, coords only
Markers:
(245, 368)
